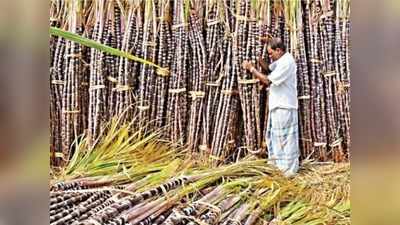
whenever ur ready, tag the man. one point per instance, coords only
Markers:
(282, 128)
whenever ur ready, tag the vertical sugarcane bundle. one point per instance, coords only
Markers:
(224, 112)
(70, 112)
(226, 130)
(304, 96)
(264, 27)
(341, 54)
(249, 49)
(57, 80)
(55, 106)
(122, 92)
(328, 74)
(214, 47)
(146, 72)
(177, 99)
(317, 99)
(115, 40)
(97, 88)
(164, 55)
(196, 79)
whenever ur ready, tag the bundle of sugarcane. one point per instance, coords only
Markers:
(249, 200)
(326, 33)
(113, 38)
(215, 48)
(304, 101)
(57, 48)
(121, 98)
(341, 57)
(226, 136)
(318, 115)
(146, 72)
(177, 100)
(97, 83)
(197, 78)
(249, 191)
(164, 56)
(70, 109)
(225, 114)
(249, 49)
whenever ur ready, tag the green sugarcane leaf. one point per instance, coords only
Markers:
(101, 47)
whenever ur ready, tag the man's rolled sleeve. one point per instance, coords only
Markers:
(279, 74)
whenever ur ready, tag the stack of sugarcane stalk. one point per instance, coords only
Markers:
(121, 97)
(198, 89)
(137, 181)
(164, 56)
(215, 47)
(249, 49)
(177, 99)
(198, 60)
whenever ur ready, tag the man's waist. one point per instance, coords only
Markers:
(282, 106)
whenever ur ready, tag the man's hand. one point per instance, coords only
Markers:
(265, 39)
(247, 65)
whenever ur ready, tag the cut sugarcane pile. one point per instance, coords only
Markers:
(209, 103)
(247, 192)
(136, 178)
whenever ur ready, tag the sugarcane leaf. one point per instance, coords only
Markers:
(101, 47)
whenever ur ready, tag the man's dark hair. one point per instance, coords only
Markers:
(277, 43)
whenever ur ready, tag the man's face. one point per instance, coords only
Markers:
(274, 54)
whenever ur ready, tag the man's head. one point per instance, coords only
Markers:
(276, 49)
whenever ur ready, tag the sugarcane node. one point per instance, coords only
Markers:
(315, 61)
(176, 26)
(213, 84)
(71, 111)
(197, 94)
(122, 88)
(163, 71)
(304, 97)
(329, 74)
(58, 82)
(249, 81)
(74, 55)
(213, 22)
(96, 87)
(112, 79)
(306, 139)
(320, 144)
(227, 92)
(176, 90)
(53, 19)
(151, 44)
(143, 107)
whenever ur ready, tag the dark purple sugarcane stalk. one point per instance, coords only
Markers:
(177, 100)
(97, 86)
(71, 113)
(197, 89)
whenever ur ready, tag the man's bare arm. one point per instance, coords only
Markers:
(260, 76)
(263, 64)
